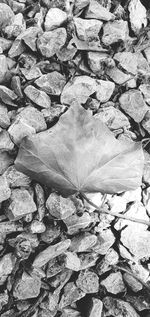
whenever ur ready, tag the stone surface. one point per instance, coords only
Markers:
(128, 61)
(146, 121)
(113, 118)
(52, 83)
(16, 178)
(19, 204)
(5, 161)
(147, 54)
(54, 19)
(96, 308)
(3, 68)
(5, 142)
(145, 89)
(97, 11)
(5, 44)
(32, 73)
(88, 282)
(16, 86)
(137, 15)
(32, 117)
(28, 286)
(5, 191)
(132, 282)
(52, 232)
(19, 129)
(72, 293)
(133, 104)
(16, 49)
(6, 15)
(39, 97)
(105, 265)
(104, 89)
(29, 37)
(53, 112)
(60, 207)
(7, 96)
(50, 42)
(96, 61)
(114, 283)
(118, 308)
(74, 223)
(88, 30)
(82, 242)
(4, 118)
(17, 27)
(118, 76)
(115, 31)
(72, 261)
(105, 240)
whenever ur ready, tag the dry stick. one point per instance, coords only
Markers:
(115, 214)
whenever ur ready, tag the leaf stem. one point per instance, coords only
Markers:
(115, 214)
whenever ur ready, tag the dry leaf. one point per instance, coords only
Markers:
(80, 154)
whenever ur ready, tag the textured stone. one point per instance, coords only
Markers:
(147, 54)
(54, 18)
(5, 142)
(51, 83)
(96, 61)
(72, 261)
(105, 265)
(96, 308)
(60, 207)
(19, 129)
(71, 294)
(97, 11)
(52, 232)
(37, 96)
(146, 121)
(137, 15)
(118, 76)
(6, 15)
(7, 263)
(82, 242)
(29, 37)
(19, 204)
(88, 282)
(133, 104)
(5, 44)
(5, 191)
(74, 223)
(7, 96)
(50, 42)
(3, 68)
(28, 286)
(32, 117)
(16, 178)
(105, 240)
(132, 282)
(16, 86)
(128, 61)
(5, 161)
(113, 118)
(115, 31)
(104, 89)
(17, 27)
(114, 283)
(145, 89)
(4, 118)
(32, 73)
(88, 30)
(119, 308)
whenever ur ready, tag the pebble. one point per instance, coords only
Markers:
(29, 37)
(19, 204)
(133, 104)
(114, 283)
(28, 286)
(7, 96)
(146, 121)
(32, 117)
(17, 27)
(72, 261)
(3, 299)
(54, 19)
(119, 308)
(83, 242)
(5, 161)
(51, 252)
(32, 73)
(118, 76)
(96, 11)
(6, 15)
(60, 207)
(5, 191)
(5, 44)
(79, 5)
(7, 263)
(96, 308)
(147, 54)
(137, 15)
(145, 89)
(53, 112)
(115, 31)
(74, 223)
(37, 96)
(5, 142)
(105, 265)
(87, 260)
(52, 83)
(132, 282)
(49, 43)
(128, 61)
(3, 68)
(88, 30)
(19, 129)
(16, 49)
(16, 86)
(51, 233)
(113, 118)
(71, 294)
(88, 282)
(96, 62)
(104, 90)
(105, 240)
(37, 226)
(16, 178)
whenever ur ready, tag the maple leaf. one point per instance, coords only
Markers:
(80, 154)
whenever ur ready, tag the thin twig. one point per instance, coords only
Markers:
(115, 214)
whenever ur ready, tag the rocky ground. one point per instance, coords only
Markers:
(60, 256)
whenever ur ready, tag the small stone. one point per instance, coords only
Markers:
(97, 11)
(60, 207)
(137, 15)
(143, 66)
(105, 240)
(114, 283)
(17, 27)
(88, 30)
(16, 178)
(82, 242)
(70, 312)
(54, 19)
(7, 96)
(50, 42)
(74, 223)
(146, 121)
(145, 89)
(131, 83)
(87, 260)
(5, 44)
(16, 86)
(51, 252)
(104, 90)
(6, 15)
(115, 31)
(96, 308)
(17, 48)
(37, 96)
(88, 282)
(118, 308)
(53, 112)
(55, 266)
(132, 282)
(52, 83)
(5, 142)
(128, 61)
(52, 232)
(5, 191)
(18, 6)
(72, 261)
(19, 129)
(96, 62)
(28, 286)
(105, 265)
(3, 299)
(133, 104)
(28, 60)
(118, 76)
(80, 5)
(3, 68)
(29, 37)
(5, 161)
(66, 53)
(140, 302)
(147, 54)
(32, 73)
(19, 204)
(113, 118)
(7, 263)
(32, 117)
(37, 226)
(72, 293)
